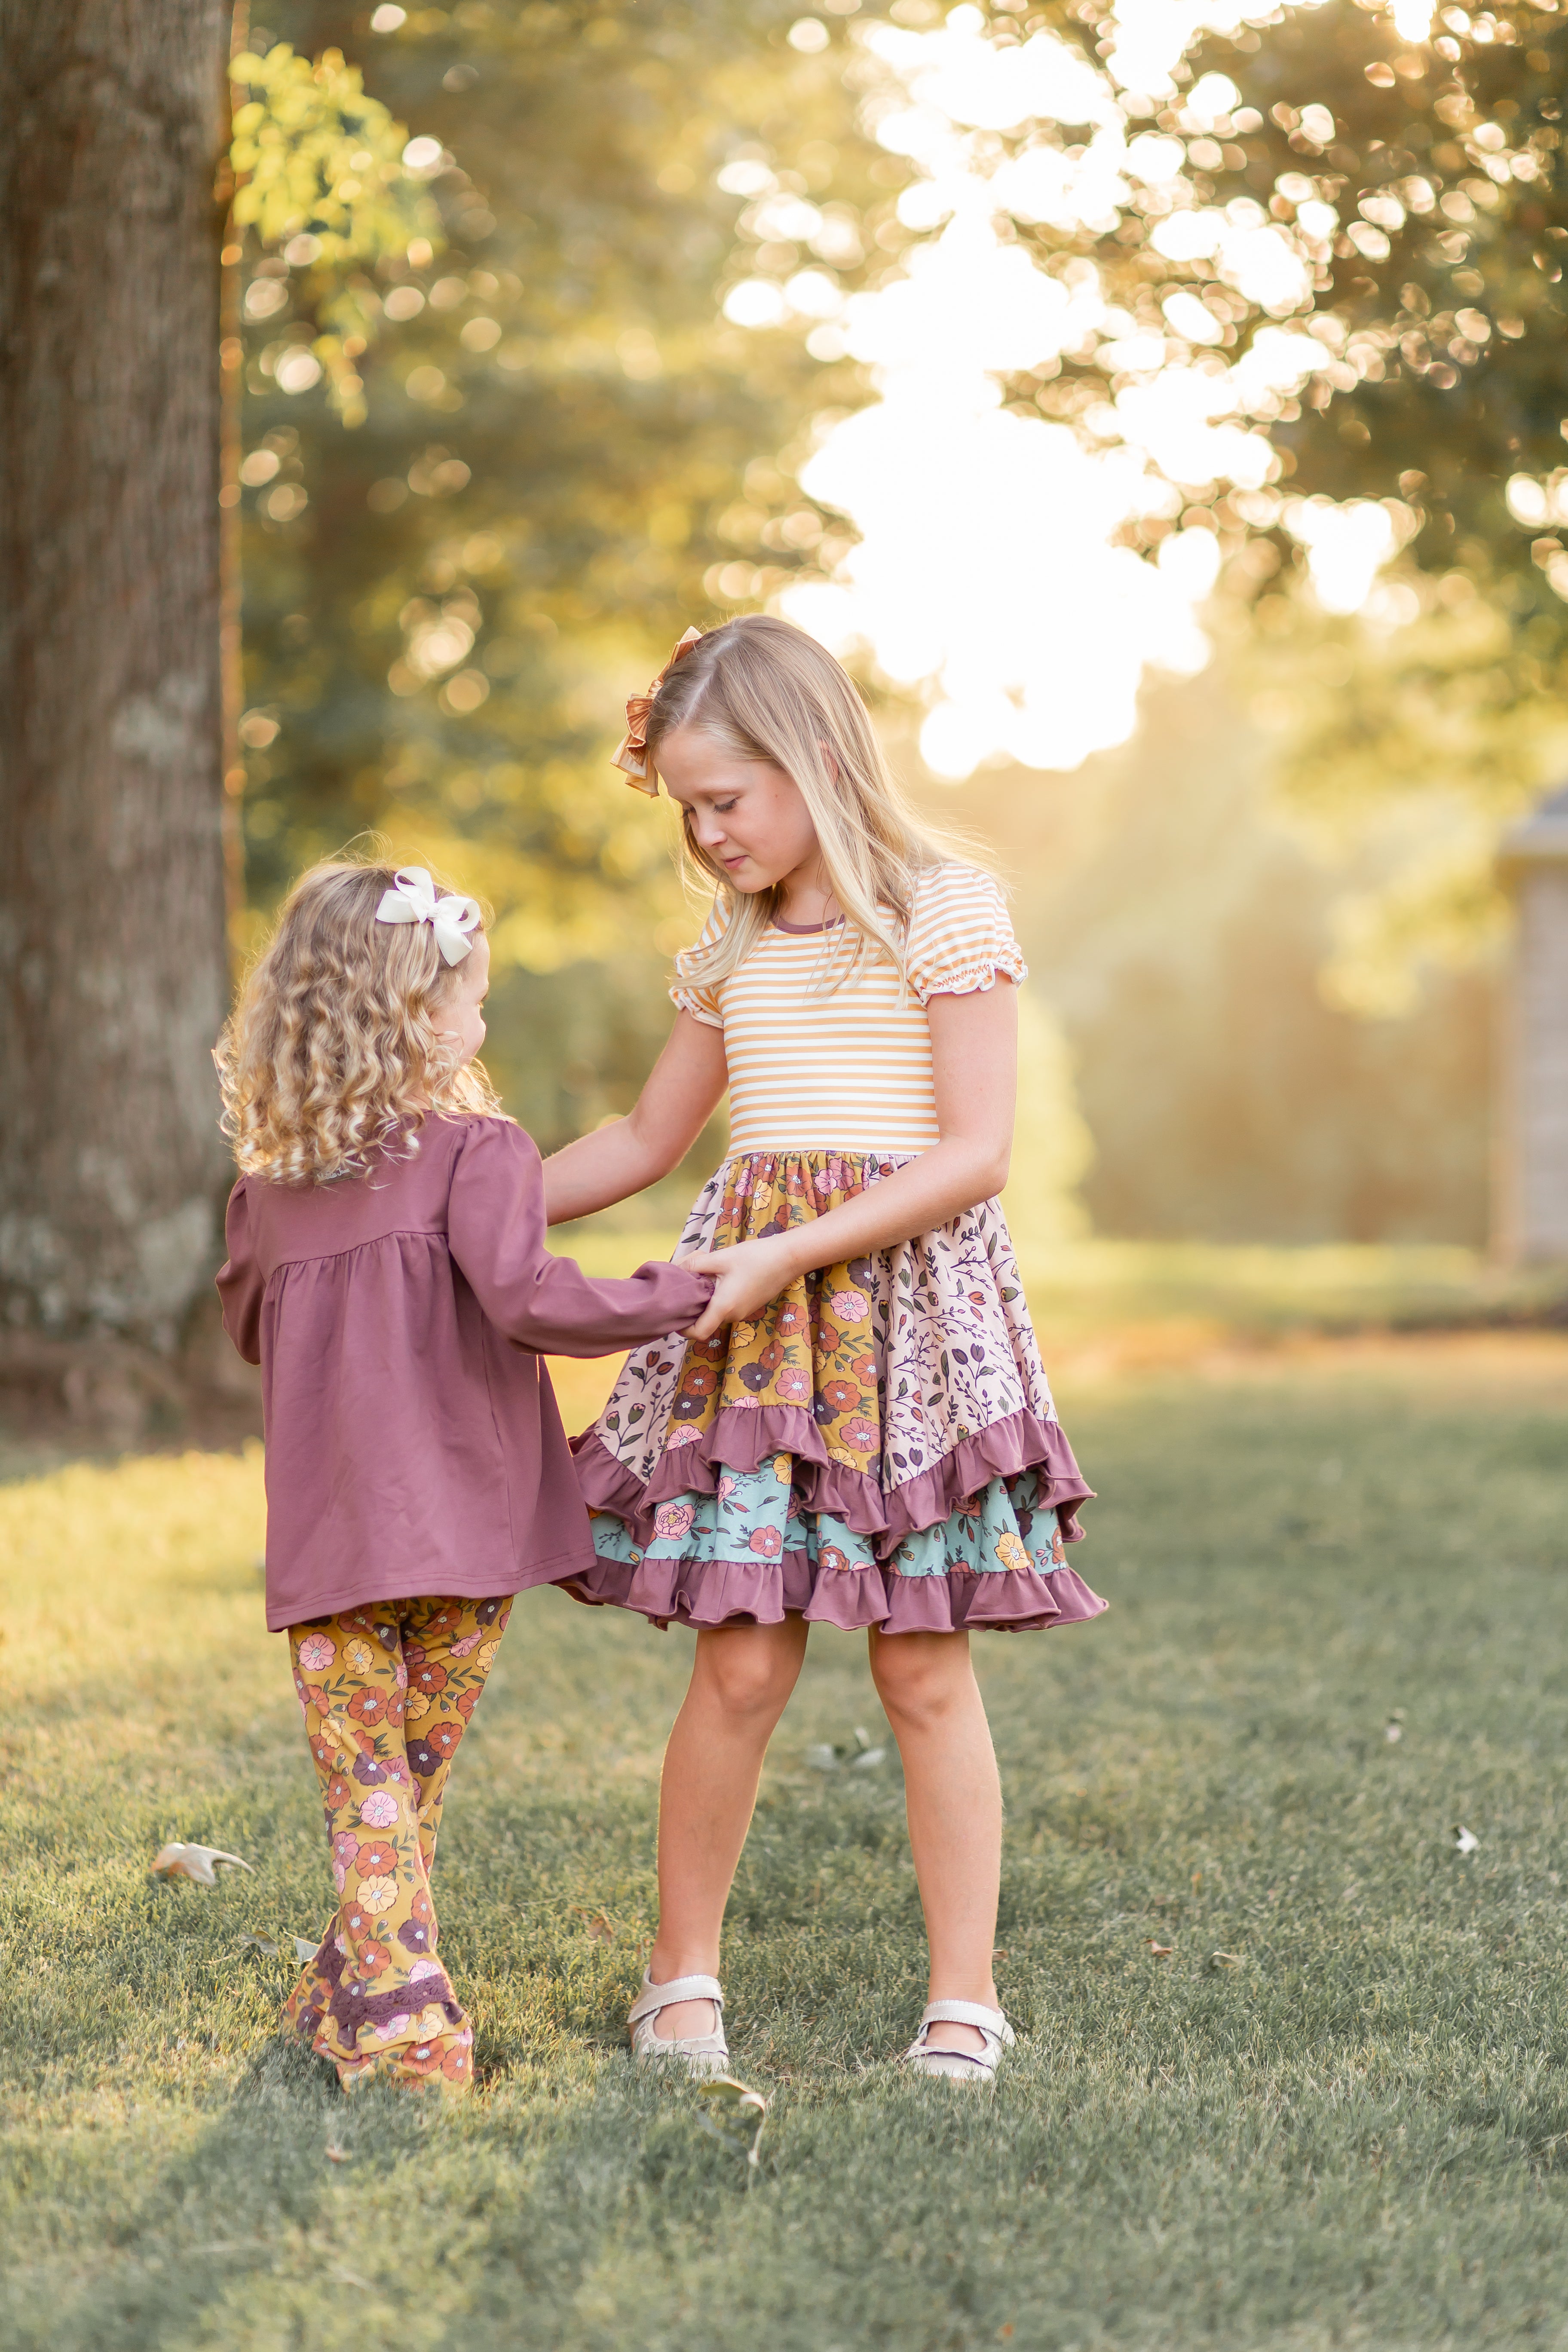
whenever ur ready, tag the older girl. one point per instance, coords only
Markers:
(387, 1271)
(858, 1432)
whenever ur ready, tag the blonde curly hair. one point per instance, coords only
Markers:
(334, 1048)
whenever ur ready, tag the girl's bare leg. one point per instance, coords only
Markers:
(741, 1681)
(927, 1685)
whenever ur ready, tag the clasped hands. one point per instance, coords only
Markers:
(745, 1280)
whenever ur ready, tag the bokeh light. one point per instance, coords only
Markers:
(986, 562)
(989, 571)
(1347, 545)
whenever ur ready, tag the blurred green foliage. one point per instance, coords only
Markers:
(1438, 292)
(1406, 750)
(567, 455)
(1444, 160)
(1450, 394)
(1441, 288)
(321, 178)
(1179, 930)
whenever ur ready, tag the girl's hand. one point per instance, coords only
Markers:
(745, 1280)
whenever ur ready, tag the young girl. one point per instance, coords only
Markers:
(387, 1270)
(858, 1432)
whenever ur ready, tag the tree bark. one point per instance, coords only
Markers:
(113, 953)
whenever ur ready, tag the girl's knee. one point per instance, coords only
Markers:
(745, 1675)
(920, 1677)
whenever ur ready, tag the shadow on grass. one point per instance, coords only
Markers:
(267, 2185)
(298, 2216)
(1355, 2136)
(216, 2206)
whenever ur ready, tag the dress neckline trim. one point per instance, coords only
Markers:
(804, 930)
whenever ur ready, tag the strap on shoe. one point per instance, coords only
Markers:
(655, 1997)
(990, 2022)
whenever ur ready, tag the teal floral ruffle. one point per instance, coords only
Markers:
(755, 1518)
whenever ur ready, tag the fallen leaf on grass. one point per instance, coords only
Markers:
(336, 2155)
(1394, 1729)
(862, 1756)
(600, 1927)
(258, 1944)
(195, 1863)
(304, 1948)
(729, 2091)
(1464, 1841)
(1161, 1951)
(723, 2090)
(1225, 1959)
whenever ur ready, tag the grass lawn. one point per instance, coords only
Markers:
(1355, 2135)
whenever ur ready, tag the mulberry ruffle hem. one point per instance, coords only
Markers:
(706, 1593)
(879, 1447)
(741, 1441)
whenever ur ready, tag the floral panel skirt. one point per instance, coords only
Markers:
(878, 1448)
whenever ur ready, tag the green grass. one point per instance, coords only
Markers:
(1357, 2135)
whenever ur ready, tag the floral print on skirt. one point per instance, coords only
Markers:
(878, 1448)
(388, 1692)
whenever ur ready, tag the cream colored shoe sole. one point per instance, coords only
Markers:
(698, 2055)
(960, 2065)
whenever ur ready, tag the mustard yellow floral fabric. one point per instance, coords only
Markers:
(388, 1692)
(814, 1348)
(877, 1447)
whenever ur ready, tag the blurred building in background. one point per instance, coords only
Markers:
(1532, 1190)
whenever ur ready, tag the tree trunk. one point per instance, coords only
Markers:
(113, 956)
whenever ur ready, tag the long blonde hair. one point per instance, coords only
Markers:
(334, 1049)
(765, 690)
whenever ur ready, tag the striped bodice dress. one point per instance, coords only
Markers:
(879, 1447)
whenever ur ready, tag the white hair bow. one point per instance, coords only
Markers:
(412, 901)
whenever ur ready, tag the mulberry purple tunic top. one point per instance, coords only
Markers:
(413, 1441)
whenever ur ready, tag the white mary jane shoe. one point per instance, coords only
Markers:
(960, 2065)
(701, 2056)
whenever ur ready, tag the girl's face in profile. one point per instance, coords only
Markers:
(748, 816)
(462, 1016)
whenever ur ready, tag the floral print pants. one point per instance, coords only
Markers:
(388, 1692)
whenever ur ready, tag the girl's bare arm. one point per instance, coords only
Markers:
(630, 1153)
(974, 1048)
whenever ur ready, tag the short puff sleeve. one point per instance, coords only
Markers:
(690, 994)
(960, 936)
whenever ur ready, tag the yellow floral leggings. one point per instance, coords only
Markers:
(388, 1692)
